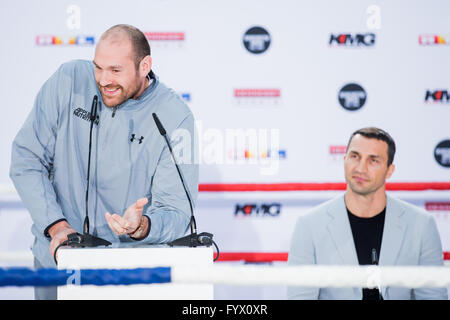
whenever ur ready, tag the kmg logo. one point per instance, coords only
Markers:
(258, 210)
(437, 96)
(352, 40)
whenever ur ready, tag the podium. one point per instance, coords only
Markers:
(147, 256)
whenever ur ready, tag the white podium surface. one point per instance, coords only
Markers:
(129, 258)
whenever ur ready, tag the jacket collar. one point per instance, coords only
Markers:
(340, 231)
(393, 232)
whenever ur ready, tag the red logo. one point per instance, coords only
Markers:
(257, 93)
(437, 206)
(337, 153)
(165, 36)
(338, 150)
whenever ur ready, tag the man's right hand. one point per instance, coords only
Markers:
(59, 233)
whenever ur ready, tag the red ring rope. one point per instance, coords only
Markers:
(318, 186)
(261, 257)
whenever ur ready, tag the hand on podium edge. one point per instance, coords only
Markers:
(58, 234)
(132, 223)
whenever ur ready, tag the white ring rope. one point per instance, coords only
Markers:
(306, 276)
(316, 276)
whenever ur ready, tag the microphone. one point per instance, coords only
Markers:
(93, 116)
(194, 239)
(374, 258)
(162, 131)
(85, 240)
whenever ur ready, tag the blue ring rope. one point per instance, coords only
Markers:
(100, 277)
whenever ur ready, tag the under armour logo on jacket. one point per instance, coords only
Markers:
(133, 137)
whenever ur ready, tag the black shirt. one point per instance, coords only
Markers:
(367, 235)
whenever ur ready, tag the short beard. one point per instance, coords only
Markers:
(125, 98)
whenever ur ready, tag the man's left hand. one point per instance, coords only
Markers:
(130, 221)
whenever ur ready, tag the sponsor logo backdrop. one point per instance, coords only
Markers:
(293, 79)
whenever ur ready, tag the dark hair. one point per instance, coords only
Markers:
(137, 37)
(379, 134)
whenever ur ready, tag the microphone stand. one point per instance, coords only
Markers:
(85, 240)
(193, 239)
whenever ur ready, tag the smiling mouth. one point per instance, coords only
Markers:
(110, 91)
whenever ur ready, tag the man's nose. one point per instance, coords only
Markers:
(104, 79)
(362, 166)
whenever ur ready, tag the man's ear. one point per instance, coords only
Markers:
(390, 171)
(145, 65)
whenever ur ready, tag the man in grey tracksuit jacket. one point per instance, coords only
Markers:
(129, 159)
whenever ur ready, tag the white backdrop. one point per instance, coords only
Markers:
(287, 96)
